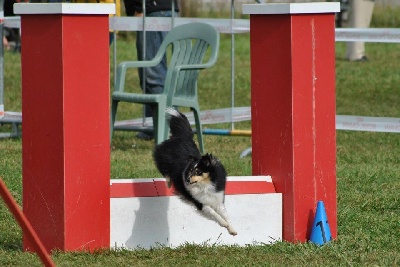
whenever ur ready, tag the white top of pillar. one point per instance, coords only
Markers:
(64, 8)
(292, 8)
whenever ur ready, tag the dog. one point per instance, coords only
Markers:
(198, 179)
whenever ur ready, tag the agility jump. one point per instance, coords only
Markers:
(66, 185)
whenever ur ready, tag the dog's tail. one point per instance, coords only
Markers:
(179, 124)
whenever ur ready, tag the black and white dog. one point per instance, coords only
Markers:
(198, 179)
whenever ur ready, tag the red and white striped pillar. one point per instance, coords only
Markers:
(293, 108)
(65, 108)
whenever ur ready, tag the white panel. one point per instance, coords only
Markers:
(151, 221)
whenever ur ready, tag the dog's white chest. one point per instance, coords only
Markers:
(206, 194)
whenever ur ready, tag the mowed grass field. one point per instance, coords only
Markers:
(368, 167)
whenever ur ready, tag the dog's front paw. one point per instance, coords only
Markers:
(232, 231)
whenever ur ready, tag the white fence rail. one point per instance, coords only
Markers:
(376, 35)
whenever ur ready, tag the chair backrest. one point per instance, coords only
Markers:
(190, 43)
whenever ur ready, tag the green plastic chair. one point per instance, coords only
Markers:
(189, 44)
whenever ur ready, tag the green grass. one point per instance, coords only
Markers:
(385, 17)
(368, 170)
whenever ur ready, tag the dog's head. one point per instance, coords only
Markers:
(205, 170)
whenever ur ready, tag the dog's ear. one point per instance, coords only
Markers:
(207, 160)
(214, 160)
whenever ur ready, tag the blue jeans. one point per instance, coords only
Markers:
(154, 76)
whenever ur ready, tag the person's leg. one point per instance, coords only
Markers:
(360, 17)
(154, 76)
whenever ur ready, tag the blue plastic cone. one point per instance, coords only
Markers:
(320, 232)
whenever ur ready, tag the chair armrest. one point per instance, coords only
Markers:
(137, 64)
(124, 65)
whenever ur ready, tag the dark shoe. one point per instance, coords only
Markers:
(144, 136)
(362, 59)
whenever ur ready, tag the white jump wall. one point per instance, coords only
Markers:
(145, 214)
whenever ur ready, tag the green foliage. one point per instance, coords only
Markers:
(368, 167)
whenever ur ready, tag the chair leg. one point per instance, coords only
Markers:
(114, 106)
(161, 129)
(199, 130)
